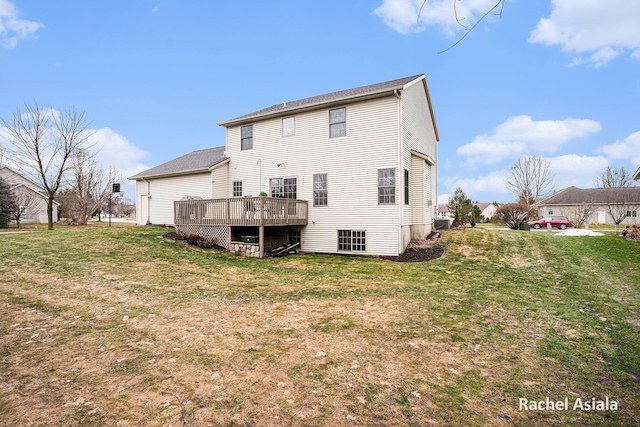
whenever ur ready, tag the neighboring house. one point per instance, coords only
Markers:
(445, 213)
(600, 205)
(636, 175)
(487, 210)
(349, 172)
(31, 197)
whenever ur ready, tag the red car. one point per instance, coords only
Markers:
(555, 221)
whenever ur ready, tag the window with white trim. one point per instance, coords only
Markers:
(352, 240)
(284, 187)
(288, 126)
(246, 137)
(337, 122)
(320, 192)
(237, 188)
(386, 186)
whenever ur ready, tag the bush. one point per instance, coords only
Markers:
(513, 215)
(631, 232)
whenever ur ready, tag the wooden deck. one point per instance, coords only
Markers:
(241, 211)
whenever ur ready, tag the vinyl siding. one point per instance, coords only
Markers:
(164, 191)
(418, 133)
(219, 182)
(350, 162)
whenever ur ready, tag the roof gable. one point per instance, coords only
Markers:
(343, 96)
(15, 178)
(195, 162)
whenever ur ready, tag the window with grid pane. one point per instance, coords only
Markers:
(351, 240)
(386, 186)
(284, 187)
(337, 122)
(320, 194)
(237, 188)
(406, 187)
(246, 137)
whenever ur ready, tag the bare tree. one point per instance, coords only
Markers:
(612, 178)
(579, 214)
(43, 141)
(498, 5)
(531, 179)
(622, 204)
(90, 185)
(25, 198)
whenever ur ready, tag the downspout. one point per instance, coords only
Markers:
(400, 173)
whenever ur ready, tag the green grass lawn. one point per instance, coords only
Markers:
(119, 327)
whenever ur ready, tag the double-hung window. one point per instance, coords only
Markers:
(320, 192)
(386, 186)
(246, 137)
(337, 122)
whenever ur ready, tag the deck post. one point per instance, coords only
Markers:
(261, 241)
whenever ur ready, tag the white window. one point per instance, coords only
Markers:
(284, 187)
(320, 194)
(246, 137)
(352, 240)
(386, 186)
(288, 126)
(337, 122)
(237, 188)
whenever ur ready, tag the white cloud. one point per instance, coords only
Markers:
(628, 148)
(402, 15)
(521, 135)
(117, 151)
(596, 31)
(12, 29)
(577, 170)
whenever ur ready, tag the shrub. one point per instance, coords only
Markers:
(513, 215)
(631, 232)
(7, 203)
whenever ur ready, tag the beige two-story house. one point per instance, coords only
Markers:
(351, 172)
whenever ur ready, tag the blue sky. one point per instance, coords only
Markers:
(553, 78)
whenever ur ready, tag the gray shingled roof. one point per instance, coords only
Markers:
(196, 161)
(334, 97)
(579, 196)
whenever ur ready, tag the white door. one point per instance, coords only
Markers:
(144, 209)
(602, 217)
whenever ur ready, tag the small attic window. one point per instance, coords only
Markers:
(288, 126)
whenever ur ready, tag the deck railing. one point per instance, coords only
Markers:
(241, 211)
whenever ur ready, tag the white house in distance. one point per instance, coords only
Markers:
(349, 172)
(30, 196)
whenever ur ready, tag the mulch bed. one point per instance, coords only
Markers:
(421, 250)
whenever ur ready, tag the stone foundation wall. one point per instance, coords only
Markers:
(245, 249)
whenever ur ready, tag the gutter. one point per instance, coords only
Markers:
(400, 173)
